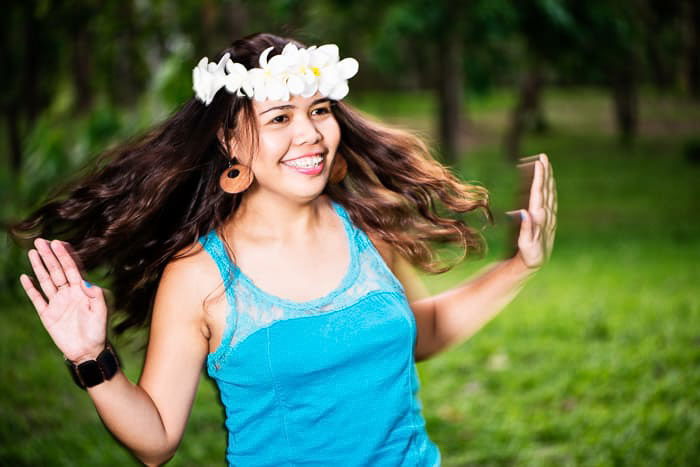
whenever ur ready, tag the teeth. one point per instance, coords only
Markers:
(306, 162)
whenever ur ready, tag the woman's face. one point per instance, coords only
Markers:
(297, 142)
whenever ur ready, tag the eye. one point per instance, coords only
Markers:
(324, 110)
(279, 119)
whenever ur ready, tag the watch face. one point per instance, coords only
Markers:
(90, 373)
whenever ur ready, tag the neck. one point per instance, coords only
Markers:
(271, 218)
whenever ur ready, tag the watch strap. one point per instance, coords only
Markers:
(93, 372)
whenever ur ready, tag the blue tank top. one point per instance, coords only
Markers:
(330, 381)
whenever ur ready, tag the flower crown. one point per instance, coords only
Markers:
(295, 71)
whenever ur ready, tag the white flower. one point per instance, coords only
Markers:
(295, 71)
(302, 79)
(333, 74)
(269, 81)
(237, 79)
(208, 78)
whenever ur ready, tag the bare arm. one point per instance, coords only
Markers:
(148, 417)
(453, 316)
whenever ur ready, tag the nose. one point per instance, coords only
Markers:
(306, 131)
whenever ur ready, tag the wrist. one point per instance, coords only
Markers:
(518, 264)
(88, 372)
(89, 352)
(90, 355)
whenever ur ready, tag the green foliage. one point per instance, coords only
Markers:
(596, 362)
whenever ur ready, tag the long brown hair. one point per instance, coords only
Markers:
(157, 193)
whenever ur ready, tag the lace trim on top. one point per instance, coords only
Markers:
(251, 308)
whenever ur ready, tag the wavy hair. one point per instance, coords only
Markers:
(148, 199)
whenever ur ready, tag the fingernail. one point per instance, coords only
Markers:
(87, 284)
(522, 215)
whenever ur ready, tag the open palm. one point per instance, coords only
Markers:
(74, 314)
(539, 223)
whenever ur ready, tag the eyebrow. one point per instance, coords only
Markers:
(290, 106)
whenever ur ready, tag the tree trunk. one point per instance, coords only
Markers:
(209, 16)
(82, 70)
(126, 88)
(527, 112)
(625, 97)
(692, 47)
(236, 19)
(13, 133)
(450, 94)
(30, 98)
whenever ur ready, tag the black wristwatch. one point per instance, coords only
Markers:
(92, 372)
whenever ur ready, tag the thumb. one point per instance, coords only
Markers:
(91, 290)
(95, 295)
(526, 224)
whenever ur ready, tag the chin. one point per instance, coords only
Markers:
(309, 192)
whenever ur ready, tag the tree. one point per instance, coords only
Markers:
(546, 29)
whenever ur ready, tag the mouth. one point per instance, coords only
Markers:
(308, 165)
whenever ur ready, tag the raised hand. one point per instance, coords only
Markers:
(73, 313)
(539, 220)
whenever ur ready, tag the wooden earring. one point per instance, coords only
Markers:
(339, 169)
(236, 178)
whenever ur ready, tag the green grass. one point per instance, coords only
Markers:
(596, 362)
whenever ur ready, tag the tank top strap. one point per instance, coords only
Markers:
(375, 268)
(355, 234)
(213, 245)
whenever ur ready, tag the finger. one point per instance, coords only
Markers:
(555, 204)
(34, 295)
(536, 188)
(538, 223)
(529, 158)
(553, 216)
(550, 243)
(97, 301)
(550, 237)
(92, 290)
(540, 218)
(47, 285)
(550, 185)
(76, 259)
(69, 267)
(552, 200)
(52, 264)
(546, 194)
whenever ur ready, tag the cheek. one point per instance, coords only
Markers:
(331, 133)
(270, 150)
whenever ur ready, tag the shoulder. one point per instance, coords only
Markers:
(191, 261)
(402, 269)
(190, 275)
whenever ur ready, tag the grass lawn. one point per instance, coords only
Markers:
(596, 362)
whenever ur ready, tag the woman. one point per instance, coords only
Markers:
(268, 231)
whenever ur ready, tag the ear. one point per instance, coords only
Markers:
(220, 135)
(222, 140)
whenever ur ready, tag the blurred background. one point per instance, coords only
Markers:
(596, 362)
